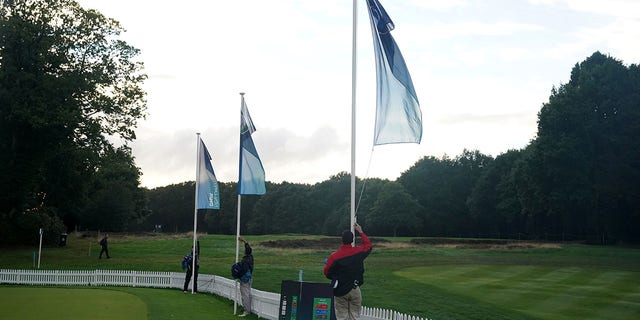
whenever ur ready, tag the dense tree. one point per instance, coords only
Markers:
(442, 187)
(508, 203)
(172, 207)
(365, 201)
(585, 158)
(467, 169)
(115, 201)
(283, 209)
(67, 83)
(493, 203)
(334, 202)
(427, 181)
(395, 212)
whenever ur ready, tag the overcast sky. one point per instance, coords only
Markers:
(481, 69)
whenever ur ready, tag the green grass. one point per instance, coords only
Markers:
(121, 303)
(58, 303)
(542, 292)
(566, 281)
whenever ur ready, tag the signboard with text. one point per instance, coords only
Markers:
(306, 301)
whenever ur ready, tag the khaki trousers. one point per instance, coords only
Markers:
(349, 306)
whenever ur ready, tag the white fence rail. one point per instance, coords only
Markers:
(385, 314)
(264, 304)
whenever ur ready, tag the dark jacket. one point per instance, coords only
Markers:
(345, 267)
(247, 264)
(187, 262)
(247, 260)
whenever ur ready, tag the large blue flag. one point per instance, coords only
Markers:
(208, 192)
(251, 179)
(398, 115)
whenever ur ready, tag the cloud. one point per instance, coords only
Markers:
(614, 38)
(481, 72)
(517, 119)
(614, 8)
(477, 28)
(169, 157)
(439, 5)
(611, 26)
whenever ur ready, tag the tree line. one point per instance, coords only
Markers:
(578, 179)
(69, 87)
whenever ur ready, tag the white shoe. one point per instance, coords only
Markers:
(243, 315)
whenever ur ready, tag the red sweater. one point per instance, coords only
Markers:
(345, 267)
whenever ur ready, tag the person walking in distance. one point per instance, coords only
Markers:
(187, 263)
(345, 268)
(104, 243)
(247, 277)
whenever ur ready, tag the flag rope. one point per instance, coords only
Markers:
(364, 182)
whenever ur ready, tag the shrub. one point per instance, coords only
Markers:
(24, 228)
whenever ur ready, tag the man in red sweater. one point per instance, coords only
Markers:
(345, 268)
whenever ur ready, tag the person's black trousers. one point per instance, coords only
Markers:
(188, 278)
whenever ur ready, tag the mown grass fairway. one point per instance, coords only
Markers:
(443, 281)
(540, 291)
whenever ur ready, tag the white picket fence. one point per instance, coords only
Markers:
(264, 304)
(385, 314)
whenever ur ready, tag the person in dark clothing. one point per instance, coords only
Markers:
(247, 277)
(104, 243)
(345, 268)
(187, 263)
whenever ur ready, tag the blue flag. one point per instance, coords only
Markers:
(251, 179)
(208, 192)
(398, 115)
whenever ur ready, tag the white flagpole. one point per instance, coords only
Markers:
(353, 116)
(195, 217)
(40, 248)
(239, 177)
(235, 301)
(238, 228)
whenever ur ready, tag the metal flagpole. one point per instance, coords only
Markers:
(40, 248)
(238, 227)
(194, 252)
(239, 177)
(353, 116)
(235, 302)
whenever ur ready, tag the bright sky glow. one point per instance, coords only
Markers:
(481, 69)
